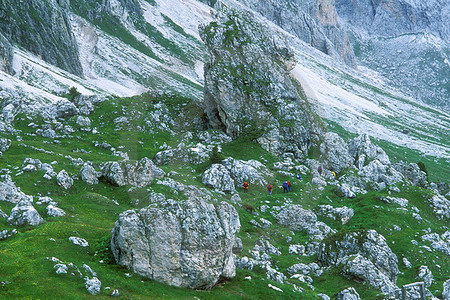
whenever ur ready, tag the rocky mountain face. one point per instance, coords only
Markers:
(315, 22)
(44, 29)
(248, 89)
(394, 37)
(390, 18)
(399, 38)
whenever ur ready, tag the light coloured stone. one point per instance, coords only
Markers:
(187, 244)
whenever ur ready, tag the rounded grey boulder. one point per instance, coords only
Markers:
(139, 173)
(24, 214)
(89, 175)
(218, 177)
(63, 179)
(187, 244)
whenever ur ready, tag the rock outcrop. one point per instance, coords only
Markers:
(6, 55)
(297, 218)
(25, 214)
(218, 177)
(186, 244)
(335, 153)
(140, 174)
(89, 175)
(441, 206)
(248, 89)
(63, 179)
(314, 22)
(365, 256)
(48, 32)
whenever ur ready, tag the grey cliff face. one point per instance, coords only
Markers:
(248, 90)
(187, 244)
(394, 17)
(364, 255)
(44, 29)
(315, 22)
(6, 55)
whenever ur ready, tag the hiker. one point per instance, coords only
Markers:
(285, 187)
(245, 185)
(299, 176)
(289, 186)
(320, 170)
(334, 174)
(269, 189)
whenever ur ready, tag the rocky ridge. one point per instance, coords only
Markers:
(248, 91)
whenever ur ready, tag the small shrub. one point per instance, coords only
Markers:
(422, 167)
(73, 92)
(103, 250)
(216, 157)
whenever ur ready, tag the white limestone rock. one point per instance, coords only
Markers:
(89, 175)
(54, 211)
(63, 179)
(218, 177)
(25, 214)
(139, 174)
(93, 285)
(186, 244)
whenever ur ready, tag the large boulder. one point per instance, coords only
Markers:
(187, 244)
(348, 294)
(4, 145)
(343, 214)
(363, 151)
(218, 177)
(251, 171)
(334, 152)
(413, 173)
(24, 214)
(63, 109)
(140, 173)
(297, 218)
(441, 206)
(446, 290)
(9, 192)
(89, 175)
(63, 179)
(375, 262)
(248, 89)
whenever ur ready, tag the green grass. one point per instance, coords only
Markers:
(91, 212)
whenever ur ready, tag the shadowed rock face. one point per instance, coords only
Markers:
(394, 17)
(44, 29)
(187, 244)
(365, 256)
(248, 89)
(6, 55)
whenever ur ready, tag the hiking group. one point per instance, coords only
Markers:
(286, 186)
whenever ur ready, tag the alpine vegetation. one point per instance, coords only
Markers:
(168, 149)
